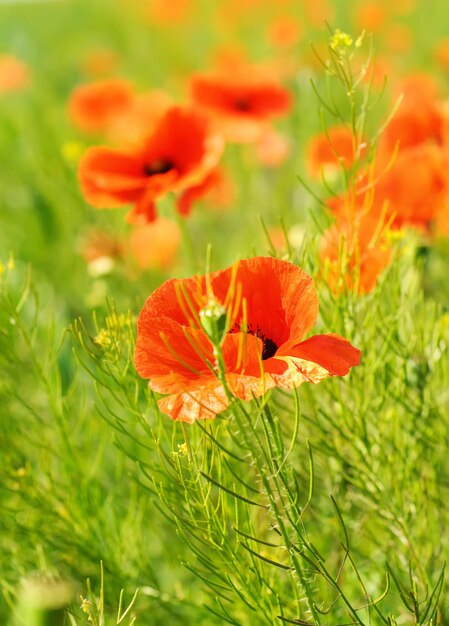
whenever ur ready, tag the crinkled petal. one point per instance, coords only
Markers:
(281, 300)
(249, 387)
(246, 375)
(177, 299)
(171, 355)
(331, 352)
(204, 402)
(297, 371)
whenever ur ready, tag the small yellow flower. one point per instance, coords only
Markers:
(392, 236)
(72, 151)
(115, 325)
(103, 339)
(182, 449)
(85, 605)
(340, 41)
(444, 320)
(9, 265)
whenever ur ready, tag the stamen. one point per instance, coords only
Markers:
(243, 105)
(158, 166)
(269, 348)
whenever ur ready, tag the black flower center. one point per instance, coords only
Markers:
(269, 348)
(243, 105)
(158, 166)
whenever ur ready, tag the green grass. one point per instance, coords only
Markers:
(324, 506)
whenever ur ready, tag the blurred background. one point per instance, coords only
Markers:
(70, 498)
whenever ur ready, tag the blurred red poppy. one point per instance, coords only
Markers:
(241, 104)
(179, 155)
(354, 253)
(370, 16)
(272, 149)
(140, 119)
(14, 74)
(214, 186)
(337, 146)
(419, 118)
(284, 31)
(155, 245)
(416, 186)
(93, 106)
(270, 306)
(410, 191)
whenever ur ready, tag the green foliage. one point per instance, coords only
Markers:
(325, 506)
(290, 505)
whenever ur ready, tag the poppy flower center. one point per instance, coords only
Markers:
(158, 166)
(243, 105)
(269, 348)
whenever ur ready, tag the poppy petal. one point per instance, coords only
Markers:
(335, 354)
(201, 403)
(280, 297)
(198, 191)
(110, 178)
(247, 375)
(292, 372)
(171, 355)
(177, 299)
(270, 305)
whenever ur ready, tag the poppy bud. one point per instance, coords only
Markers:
(213, 321)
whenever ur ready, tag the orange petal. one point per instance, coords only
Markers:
(335, 354)
(110, 178)
(177, 299)
(155, 245)
(201, 403)
(197, 192)
(280, 297)
(93, 106)
(247, 376)
(171, 355)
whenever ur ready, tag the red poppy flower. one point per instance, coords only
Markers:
(93, 106)
(355, 253)
(215, 189)
(410, 191)
(179, 154)
(241, 105)
(420, 117)
(155, 245)
(270, 306)
(370, 16)
(284, 31)
(272, 149)
(329, 149)
(416, 186)
(140, 119)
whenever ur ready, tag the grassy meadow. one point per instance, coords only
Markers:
(309, 504)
